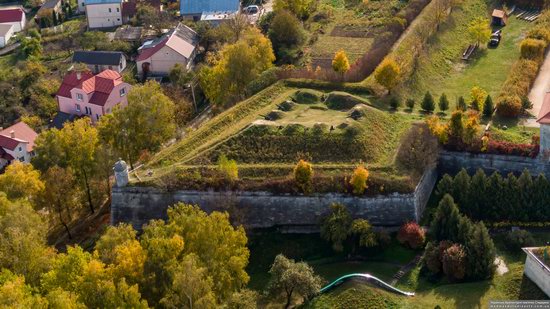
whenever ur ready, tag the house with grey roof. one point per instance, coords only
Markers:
(98, 61)
(157, 57)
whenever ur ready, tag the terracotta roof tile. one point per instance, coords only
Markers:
(100, 85)
(23, 134)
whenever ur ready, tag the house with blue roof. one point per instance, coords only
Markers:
(103, 13)
(199, 9)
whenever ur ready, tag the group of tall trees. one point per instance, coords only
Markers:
(194, 260)
(458, 248)
(495, 198)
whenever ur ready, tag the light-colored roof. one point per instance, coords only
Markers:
(88, 2)
(4, 29)
(182, 40)
(499, 13)
(23, 134)
(199, 6)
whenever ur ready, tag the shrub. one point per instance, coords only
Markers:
(478, 97)
(274, 115)
(454, 262)
(306, 96)
(410, 103)
(411, 235)
(228, 169)
(443, 103)
(303, 175)
(264, 80)
(515, 240)
(428, 103)
(526, 103)
(509, 106)
(342, 101)
(359, 180)
(394, 103)
(533, 49)
(335, 226)
(539, 33)
(431, 258)
(488, 107)
(287, 106)
(461, 104)
(418, 150)
(383, 239)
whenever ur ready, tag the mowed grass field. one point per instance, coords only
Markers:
(512, 285)
(441, 70)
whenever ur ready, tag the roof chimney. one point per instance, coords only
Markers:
(12, 134)
(78, 75)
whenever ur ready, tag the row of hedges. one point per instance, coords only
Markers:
(280, 181)
(497, 199)
(356, 88)
(525, 70)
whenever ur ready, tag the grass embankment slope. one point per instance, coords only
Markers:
(321, 131)
(513, 285)
(440, 68)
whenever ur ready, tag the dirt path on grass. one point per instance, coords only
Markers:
(538, 91)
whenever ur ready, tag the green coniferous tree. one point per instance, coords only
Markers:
(481, 253)
(443, 103)
(54, 18)
(512, 209)
(488, 107)
(461, 104)
(476, 195)
(527, 197)
(428, 104)
(461, 187)
(445, 223)
(495, 188)
(445, 186)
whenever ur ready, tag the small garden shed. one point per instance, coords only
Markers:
(499, 18)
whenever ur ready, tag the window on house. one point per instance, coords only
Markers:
(110, 67)
(118, 19)
(122, 92)
(97, 116)
(78, 108)
(22, 159)
(88, 110)
(79, 97)
(20, 149)
(110, 10)
(117, 10)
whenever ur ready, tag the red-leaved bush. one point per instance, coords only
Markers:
(411, 235)
(507, 148)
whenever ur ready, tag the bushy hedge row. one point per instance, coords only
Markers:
(525, 70)
(507, 148)
(281, 181)
(497, 199)
(356, 88)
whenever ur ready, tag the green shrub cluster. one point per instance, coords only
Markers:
(342, 101)
(356, 88)
(307, 96)
(458, 248)
(497, 199)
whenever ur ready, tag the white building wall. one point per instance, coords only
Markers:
(104, 15)
(163, 61)
(539, 274)
(81, 8)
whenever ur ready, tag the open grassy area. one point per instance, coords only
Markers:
(325, 128)
(440, 68)
(513, 285)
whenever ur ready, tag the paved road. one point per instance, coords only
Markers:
(540, 87)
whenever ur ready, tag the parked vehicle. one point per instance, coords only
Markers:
(251, 10)
(495, 38)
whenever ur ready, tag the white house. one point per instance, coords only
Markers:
(81, 7)
(16, 143)
(103, 13)
(6, 32)
(14, 17)
(157, 57)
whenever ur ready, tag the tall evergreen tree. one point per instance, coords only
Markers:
(481, 253)
(443, 103)
(527, 198)
(476, 195)
(446, 221)
(428, 103)
(445, 186)
(461, 104)
(461, 186)
(495, 187)
(541, 193)
(488, 107)
(513, 206)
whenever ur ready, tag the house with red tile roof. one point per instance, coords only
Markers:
(14, 17)
(157, 57)
(16, 143)
(86, 94)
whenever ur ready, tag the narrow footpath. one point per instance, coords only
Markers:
(538, 91)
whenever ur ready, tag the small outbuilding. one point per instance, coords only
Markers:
(6, 32)
(499, 18)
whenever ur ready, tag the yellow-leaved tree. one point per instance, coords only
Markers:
(340, 63)
(480, 30)
(359, 180)
(21, 181)
(387, 74)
